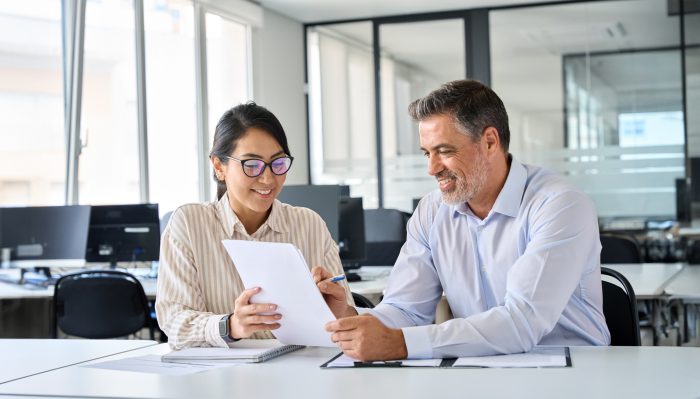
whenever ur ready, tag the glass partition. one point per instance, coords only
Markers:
(594, 91)
(342, 137)
(416, 58)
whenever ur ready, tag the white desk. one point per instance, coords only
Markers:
(25, 357)
(649, 280)
(685, 285)
(15, 291)
(597, 372)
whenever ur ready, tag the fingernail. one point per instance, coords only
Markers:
(273, 307)
(278, 316)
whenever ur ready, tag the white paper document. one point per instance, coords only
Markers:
(538, 357)
(151, 364)
(281, 271)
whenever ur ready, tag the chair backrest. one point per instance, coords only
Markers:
(385, 234)
(620, 309)
(100, 304)
(361, 301)
(619, 249)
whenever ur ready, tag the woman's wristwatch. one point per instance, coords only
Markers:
(224, 330)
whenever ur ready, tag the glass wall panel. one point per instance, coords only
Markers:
(32, 139)
(692, 94)
(416, 58)
(341, 108)
(594, 91)
(109, 163)
(172, 114)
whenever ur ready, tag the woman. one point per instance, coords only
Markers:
(201, 300)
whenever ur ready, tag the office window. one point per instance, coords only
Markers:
(171, 103)
(597, 96)
(228, 76)
(109, 164)
(342, 136)
(227, 65)
(32, 140)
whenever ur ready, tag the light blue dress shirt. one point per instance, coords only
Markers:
(528, 274)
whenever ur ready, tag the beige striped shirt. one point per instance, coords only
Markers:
(197, 281)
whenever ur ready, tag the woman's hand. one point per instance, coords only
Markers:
(251, 317)
(333, 293)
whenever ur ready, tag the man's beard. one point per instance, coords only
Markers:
(466, 187)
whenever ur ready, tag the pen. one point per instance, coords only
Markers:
(337, 278)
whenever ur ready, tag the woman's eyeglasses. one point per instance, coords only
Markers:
(256, 167)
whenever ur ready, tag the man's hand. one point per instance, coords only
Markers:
(334, 294)
(366, 338)
(251, 317)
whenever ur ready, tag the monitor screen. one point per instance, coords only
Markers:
(45, 236)
(123, 233)
(322, 199)
(351, 232)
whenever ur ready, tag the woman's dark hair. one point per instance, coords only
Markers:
(234, 124)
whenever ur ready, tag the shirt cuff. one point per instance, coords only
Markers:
(211, 331)
(418, 343)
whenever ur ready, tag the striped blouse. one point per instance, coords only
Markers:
(198, 282)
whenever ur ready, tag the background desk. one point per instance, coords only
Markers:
(649, 280)
(597, 372)
(25, 357)
(27, 312)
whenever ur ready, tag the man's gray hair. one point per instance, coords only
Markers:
(472, 105)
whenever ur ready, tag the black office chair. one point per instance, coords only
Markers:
(100, 304)
(620, 310)
(619, 249)
(361, 301)
(385, 234)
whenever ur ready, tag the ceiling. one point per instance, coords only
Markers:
(333, 10)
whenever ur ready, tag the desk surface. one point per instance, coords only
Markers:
(635, 372)
(24, 357)
(686, 284)
(15, 291)
(373, 283)
(648, 279)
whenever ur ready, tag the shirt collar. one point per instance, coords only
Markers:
(229, 219)
(508, 200)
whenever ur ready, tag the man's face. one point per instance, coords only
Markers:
(458, 163)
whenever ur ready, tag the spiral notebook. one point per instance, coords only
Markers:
(245, 351)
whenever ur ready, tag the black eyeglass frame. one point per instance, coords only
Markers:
(265, 165)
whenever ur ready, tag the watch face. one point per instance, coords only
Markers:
(223, 326)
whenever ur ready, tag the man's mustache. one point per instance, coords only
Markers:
(445, 174)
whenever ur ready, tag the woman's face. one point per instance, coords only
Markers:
(250, 196)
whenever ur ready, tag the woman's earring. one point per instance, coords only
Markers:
(219, 176)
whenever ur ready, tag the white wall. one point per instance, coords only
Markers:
(278, 83)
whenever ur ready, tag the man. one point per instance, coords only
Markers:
(514, 248)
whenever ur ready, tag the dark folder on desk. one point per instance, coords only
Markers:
(543, 356)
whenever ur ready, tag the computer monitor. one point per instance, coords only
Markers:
(322, 199)
(45, 236)
(123, 233)
(351, 232)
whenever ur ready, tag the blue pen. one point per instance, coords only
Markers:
(337, 278)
